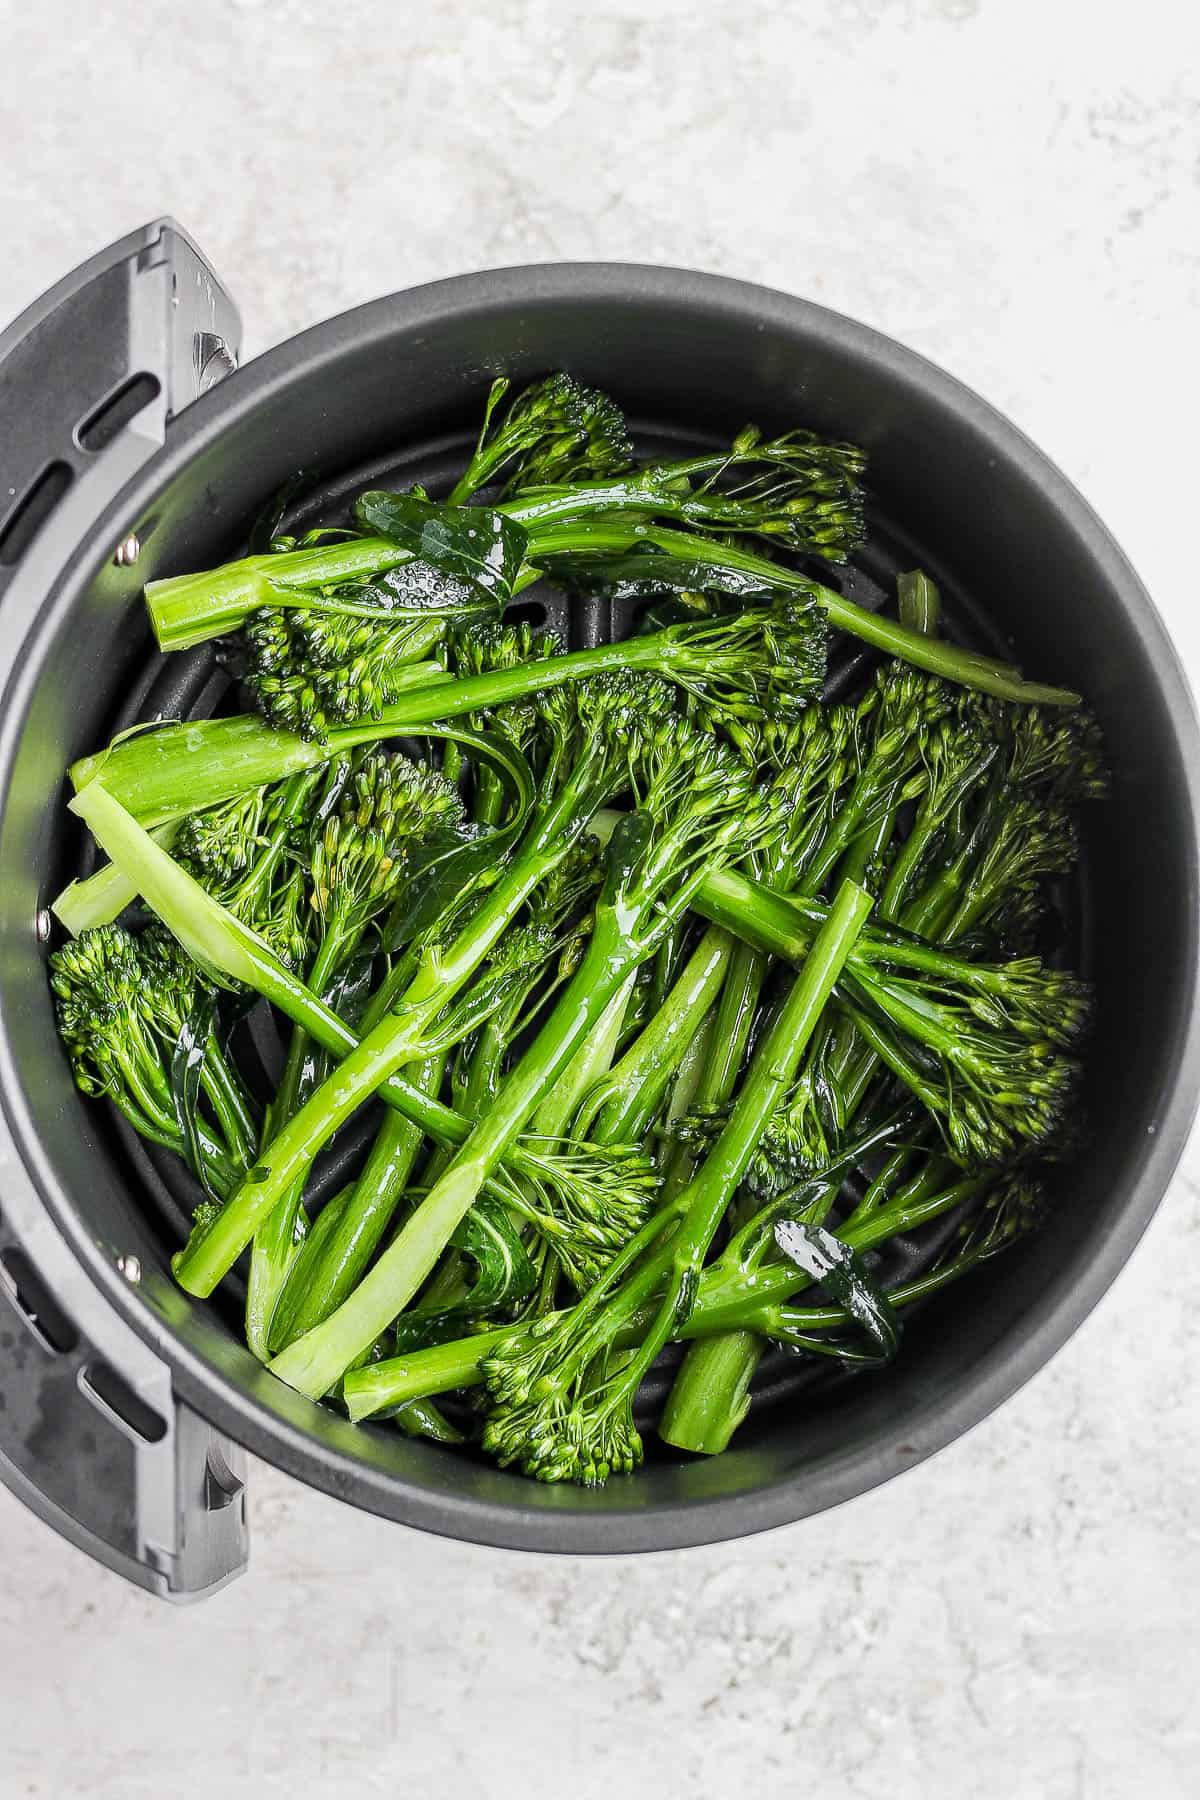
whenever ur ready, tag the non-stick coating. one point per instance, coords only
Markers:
(997, 524)
(198, 683)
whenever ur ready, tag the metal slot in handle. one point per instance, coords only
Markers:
(92, 1436)
(92, 373)
(94, 1441)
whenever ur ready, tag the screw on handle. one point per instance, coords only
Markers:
(92, 1436)
(91, 375)
(93, 1439)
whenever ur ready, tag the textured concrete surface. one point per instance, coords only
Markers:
(1010, 186)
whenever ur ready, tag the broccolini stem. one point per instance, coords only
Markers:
(692, 1065)
(725, 1052)
(444, 1368)
(149, 1089)
(892, 901)
(710, 1395)
(785, 925)
(489, 796)
(422, 1419)
(227, 950)
(222, 1175)
(475, 1090)
(756, 914)
(402, 1036)
(276, 1245)
(792, 1324)
(318, 1289)
(589, 1065)
(867, 846)
(733, 1296)
(884, 1184)
(440, 1369)
(231, 952)
(673, 1270)
(720, 1367)
(966, 667)
(100, 898)
(189, 609)
(797, 1325)
(311, 1250)
(161, 775)
(278, 1238)
(928, 915)
(256, 882)
(211, 1253)
(620, 1107)
(771, 1072)
(315, 1362)
(918, 602)
(179, 769)
(229, 1106)
(932, 1175)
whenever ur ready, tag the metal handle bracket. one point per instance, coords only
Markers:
(92, 373)
(92, 1436)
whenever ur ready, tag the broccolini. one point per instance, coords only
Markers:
(687, 995)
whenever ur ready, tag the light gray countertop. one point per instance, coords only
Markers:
(1010, 186)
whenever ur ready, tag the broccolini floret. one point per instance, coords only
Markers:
(593, 926)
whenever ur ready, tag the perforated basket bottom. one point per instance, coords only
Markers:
(193, 685)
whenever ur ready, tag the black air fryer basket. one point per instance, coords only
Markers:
(132, 447)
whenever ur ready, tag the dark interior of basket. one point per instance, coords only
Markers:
(196, 684)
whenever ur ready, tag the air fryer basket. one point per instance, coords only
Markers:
(126, 1401)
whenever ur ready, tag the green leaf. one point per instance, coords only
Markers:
(410, 590)
(449, 865)
(419, 587)
(824, 1257)
(504, 1273)
(644, 574)
(470, 543)
(504, 1278)
(421, 1418)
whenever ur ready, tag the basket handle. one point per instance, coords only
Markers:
(92, 373)
(92, 1435)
